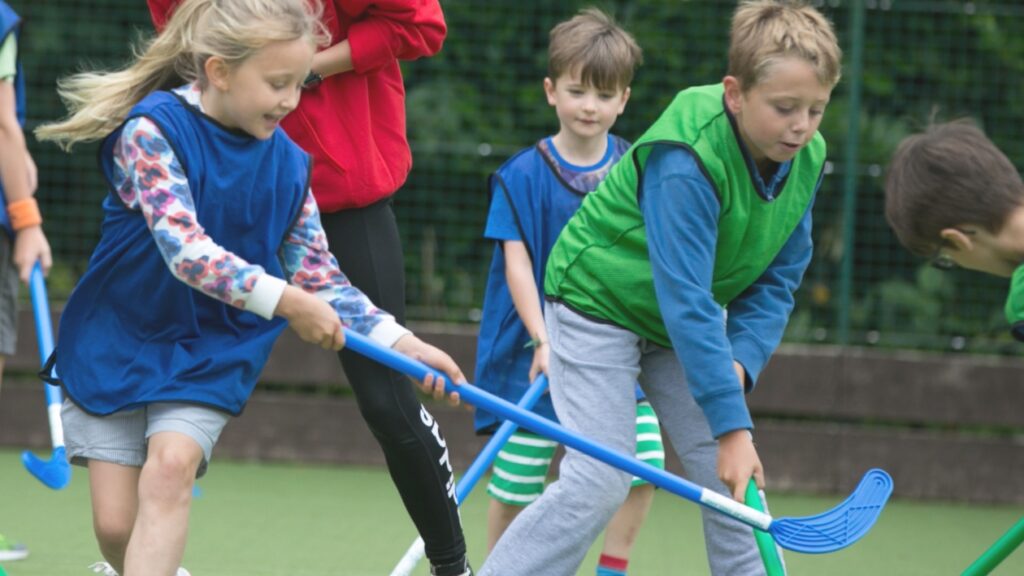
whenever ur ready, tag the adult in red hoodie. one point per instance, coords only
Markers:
(351, 119)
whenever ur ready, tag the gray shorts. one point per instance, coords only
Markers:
(121, 437)
(8, 298)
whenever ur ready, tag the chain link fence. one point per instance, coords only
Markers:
(481, 100)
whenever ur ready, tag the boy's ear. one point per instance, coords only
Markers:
(549, 90)
(625, 98)
(956, 239)
(217, 72)
(733, 94)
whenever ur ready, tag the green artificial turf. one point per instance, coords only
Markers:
(289, 520)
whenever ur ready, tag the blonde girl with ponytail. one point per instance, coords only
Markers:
(211, 245)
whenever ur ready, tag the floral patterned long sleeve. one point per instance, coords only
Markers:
(311, 266)
(149, 177)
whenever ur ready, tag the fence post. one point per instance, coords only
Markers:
(850, 167)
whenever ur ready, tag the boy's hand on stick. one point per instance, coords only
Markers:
(33, 172)
(540, 360)
(738, 462)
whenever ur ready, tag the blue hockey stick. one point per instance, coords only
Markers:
(476, 470)
(55, 472)
(827, 532)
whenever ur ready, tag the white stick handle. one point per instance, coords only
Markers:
(408, 562)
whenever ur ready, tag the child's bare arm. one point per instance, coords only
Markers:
(738, 462)
(12, 148)
(17, 174)
(333, 60)
(523, 288)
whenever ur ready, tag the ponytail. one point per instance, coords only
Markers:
(98, 102)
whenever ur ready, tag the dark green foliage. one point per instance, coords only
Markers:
(481, 99)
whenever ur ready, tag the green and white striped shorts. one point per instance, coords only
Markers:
(522, 465)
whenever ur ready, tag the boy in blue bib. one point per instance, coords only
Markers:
(590, 66)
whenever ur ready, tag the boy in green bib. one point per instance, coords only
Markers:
(953, 196)
(710, 210)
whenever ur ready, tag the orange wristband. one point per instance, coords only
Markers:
(24, 213)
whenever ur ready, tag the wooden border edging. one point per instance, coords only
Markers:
(947, 427)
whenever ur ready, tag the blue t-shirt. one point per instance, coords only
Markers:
(501, 220)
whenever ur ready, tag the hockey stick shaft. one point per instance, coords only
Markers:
(477, 397)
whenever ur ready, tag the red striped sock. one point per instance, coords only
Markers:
(612, 563)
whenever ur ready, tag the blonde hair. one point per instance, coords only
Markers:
(233, 30)
(592, 43)
(765, 31)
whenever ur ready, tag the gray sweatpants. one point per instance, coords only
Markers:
(592, 371)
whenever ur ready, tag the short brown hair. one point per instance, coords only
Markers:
(763, 31)
(949, 175)
(592, 43)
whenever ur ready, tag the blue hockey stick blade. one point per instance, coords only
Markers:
(840, 526)
(55, 472)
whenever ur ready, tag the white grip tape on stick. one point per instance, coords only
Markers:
(735, 509)
(56, 426)
(408, 562)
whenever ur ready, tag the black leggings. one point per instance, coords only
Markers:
(367, 246)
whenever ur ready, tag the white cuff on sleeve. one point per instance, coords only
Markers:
(266, 293)
(388, 332)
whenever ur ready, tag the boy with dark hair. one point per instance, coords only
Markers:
(591, 61)
(951, 195)
(711, 210)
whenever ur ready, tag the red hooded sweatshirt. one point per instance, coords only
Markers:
(353, 124)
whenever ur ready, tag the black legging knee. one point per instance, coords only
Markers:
(369, 251)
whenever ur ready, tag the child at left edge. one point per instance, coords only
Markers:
(22, 241)
(211, 240)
